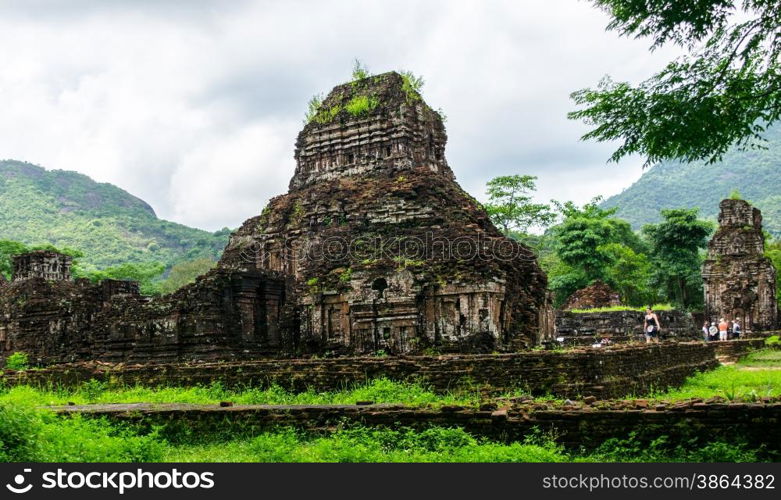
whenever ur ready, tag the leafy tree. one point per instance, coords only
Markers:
(510, 206)
(675, 253)
(592, 244)
(185, 273)
(724, 92)
(146, 273)
(8, 249)
(629, 274)
(773, 252)
(582, 234)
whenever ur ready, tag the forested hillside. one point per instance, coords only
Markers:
(107, 224)
(755, 174)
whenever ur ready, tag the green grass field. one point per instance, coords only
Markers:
(758, 375)
(31, 434)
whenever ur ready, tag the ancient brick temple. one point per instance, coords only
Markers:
(739, 281)
(375, 248)
(387, 251)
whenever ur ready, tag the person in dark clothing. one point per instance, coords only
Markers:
(651, 326)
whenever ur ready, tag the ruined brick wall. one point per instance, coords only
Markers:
(388, 252)
(375, 249)
(42, 264)
(739, 281)
(223, 315)
(612, 372)
(598, 294)
(585, 328)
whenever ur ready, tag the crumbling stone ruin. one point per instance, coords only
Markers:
(739, 281)
(387, 251)
(51, 266)
(375, 248)
(597, 294)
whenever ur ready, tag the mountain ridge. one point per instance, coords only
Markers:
(108, 224)
(755, 174)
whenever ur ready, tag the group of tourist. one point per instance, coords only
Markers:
(724, 330)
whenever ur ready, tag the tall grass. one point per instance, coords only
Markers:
(95, 392)
(657, 307)
(28, 435)
(754, 377)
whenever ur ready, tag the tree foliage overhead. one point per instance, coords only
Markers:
(510, 204)
(724, 92)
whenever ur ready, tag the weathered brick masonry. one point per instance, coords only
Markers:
(375, 249)
(586, 327)
(613, 372)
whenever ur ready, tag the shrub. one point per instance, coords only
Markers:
(361, 104)
(412, 85)
(19, 428)
(17, 361)
(313, 107)
(360, 71)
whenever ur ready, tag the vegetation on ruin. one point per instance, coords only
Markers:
(17, 361)
(361, 105)
(360, 70)
(657, 307)
(724, 92)
(313, 107)
(412, 85)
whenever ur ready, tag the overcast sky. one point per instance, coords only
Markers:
(194, 106)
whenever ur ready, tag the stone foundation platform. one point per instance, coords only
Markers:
(617, 371)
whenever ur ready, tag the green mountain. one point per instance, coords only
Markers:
(755, 174)
(109, 225)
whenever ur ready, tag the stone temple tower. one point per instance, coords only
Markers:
(739, 281)
(51, 266)
(388, 253)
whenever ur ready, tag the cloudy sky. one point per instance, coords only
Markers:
(194, 105)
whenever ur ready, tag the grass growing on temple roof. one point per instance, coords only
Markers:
(93, 392)
(361, 104)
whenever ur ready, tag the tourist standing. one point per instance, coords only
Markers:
(651, 326)
(723, 326)
(736, 329)
(705, 331)
(713, 331)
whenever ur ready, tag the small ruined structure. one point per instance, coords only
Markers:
(739, 281)
(375, 248)
(597, 294)
(47, 265)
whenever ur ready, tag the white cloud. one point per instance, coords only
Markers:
(194, 105)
